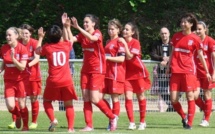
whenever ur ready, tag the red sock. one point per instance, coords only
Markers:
(200, 103)
(129, 110)
(104, 108)
(24, 115)
(179, 110)
(116, 108)
(14, 117)
(208, 108)
(17, 106)
(15, 111)
(142, 107)
(49, 110)
(70, 115)
(107, 103)
(191, 112)
(35, 111)
(88, 111)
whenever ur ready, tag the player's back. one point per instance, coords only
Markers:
(58, 61)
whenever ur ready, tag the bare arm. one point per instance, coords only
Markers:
(116, 59)
(20, 65)
(63, 19)
(35, 60)
(41, 35)
(170, 60)
(129, 55)
(201, 58)
(85, 33)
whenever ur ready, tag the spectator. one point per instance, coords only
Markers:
(160, 52)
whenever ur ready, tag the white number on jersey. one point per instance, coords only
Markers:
(59, 58)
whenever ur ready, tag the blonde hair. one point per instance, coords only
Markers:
(117, 24)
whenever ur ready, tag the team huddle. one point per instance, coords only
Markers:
(115, 69)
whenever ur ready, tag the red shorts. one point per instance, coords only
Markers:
(183, 82)
(62, 93)
(14, 89)
(33, 88)
(113, 87)
(92, 81)
(205, 84)
(138, 86)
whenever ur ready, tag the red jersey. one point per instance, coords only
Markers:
(94, 55)
(114, 70)
(184, 48)
(58, 60)
(208, 47)
(135, 69)
(35, 74)
(11, 71)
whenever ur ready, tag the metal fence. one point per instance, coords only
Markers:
(155, 103)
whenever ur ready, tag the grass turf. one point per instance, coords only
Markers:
(157, 123)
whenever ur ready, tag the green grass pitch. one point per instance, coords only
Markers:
(157, 123)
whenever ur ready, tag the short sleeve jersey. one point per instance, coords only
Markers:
(208, 48)
(57, 55)
(11, 71)
(94, 55)
(35, 74)
(183, 53)
(114, 70)
(135, 68)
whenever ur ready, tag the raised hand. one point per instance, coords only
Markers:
(12, 53)
(74, 22)
(41, 33)
(209, 77)
(63, 18)
(67, 22)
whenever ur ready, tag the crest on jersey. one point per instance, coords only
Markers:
(31, 48)
(190, 42)
(205, 47)
(111, 46)
(17, 56)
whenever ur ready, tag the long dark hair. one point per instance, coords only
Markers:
(191, 18)
(135, 29)
(94, 19)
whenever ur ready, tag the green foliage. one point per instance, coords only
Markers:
(135, 3)
(149, 15)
